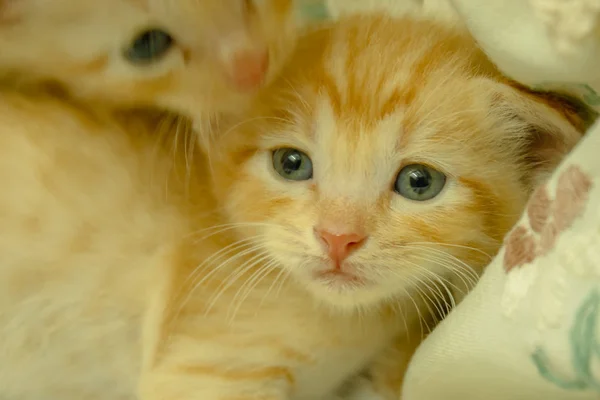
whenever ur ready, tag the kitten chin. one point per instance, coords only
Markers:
(197, 58)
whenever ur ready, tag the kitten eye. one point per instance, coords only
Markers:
(149, 46)
(419, 182)
(292, 164)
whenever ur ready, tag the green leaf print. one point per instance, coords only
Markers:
(585, 348)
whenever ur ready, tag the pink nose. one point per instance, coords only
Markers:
(339, 247)
(248, 68)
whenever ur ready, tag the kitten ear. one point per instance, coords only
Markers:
(547, 126)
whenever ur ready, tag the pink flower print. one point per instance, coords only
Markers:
(548, 238)
(547, 218)
(571, 196)
(538, 208)
(519, 248)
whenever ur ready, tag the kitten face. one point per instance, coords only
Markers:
(392, 158)
(187, 55)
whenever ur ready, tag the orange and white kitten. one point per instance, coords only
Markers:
(373, 176)
(190, 56)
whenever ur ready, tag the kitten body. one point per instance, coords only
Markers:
(126, 269)
(100, 299)
(219, 52)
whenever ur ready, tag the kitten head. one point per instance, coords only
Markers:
(390, 158)
(186, 55)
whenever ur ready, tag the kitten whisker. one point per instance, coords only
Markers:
(235, 246)
(408, 296)
(233, 277)
(466, 280)
(251, 285)
(286, 276)
(455, 260)
(427, 298)
(250, 281)
(417, 290)
(471, 248)
(225, 227)
(439, 280)
(400, 310)
(250, 247)
(231, 248)
(449, 302)
(280, 275)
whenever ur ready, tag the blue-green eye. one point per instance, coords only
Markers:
(149, 46)
(292, 164)
(419, 182)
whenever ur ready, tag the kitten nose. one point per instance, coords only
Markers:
(248, 68)
(339, 247)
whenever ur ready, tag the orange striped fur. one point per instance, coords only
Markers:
(126, 270)
(364, 97)
(81, 44)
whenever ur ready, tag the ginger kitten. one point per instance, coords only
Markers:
(386, 163)
(190, 56)
(373, 179)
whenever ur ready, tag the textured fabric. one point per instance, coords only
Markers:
(531, 329)
(547, 44)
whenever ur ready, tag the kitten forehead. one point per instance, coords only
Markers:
(354, 162)
(372, 91)
(374, 69)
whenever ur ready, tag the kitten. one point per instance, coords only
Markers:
(388, 161)
(190, 56)
(381, 169)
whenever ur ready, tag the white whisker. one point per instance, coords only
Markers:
(428, 299)
(235, 246)
(465, 279)
(282, 283)
(436, 281)
(280, 275)
(453, 260)
(233, 277)
(417, 309)
(460, 246)
(251, 284)
(242, 244)
(216, 229)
